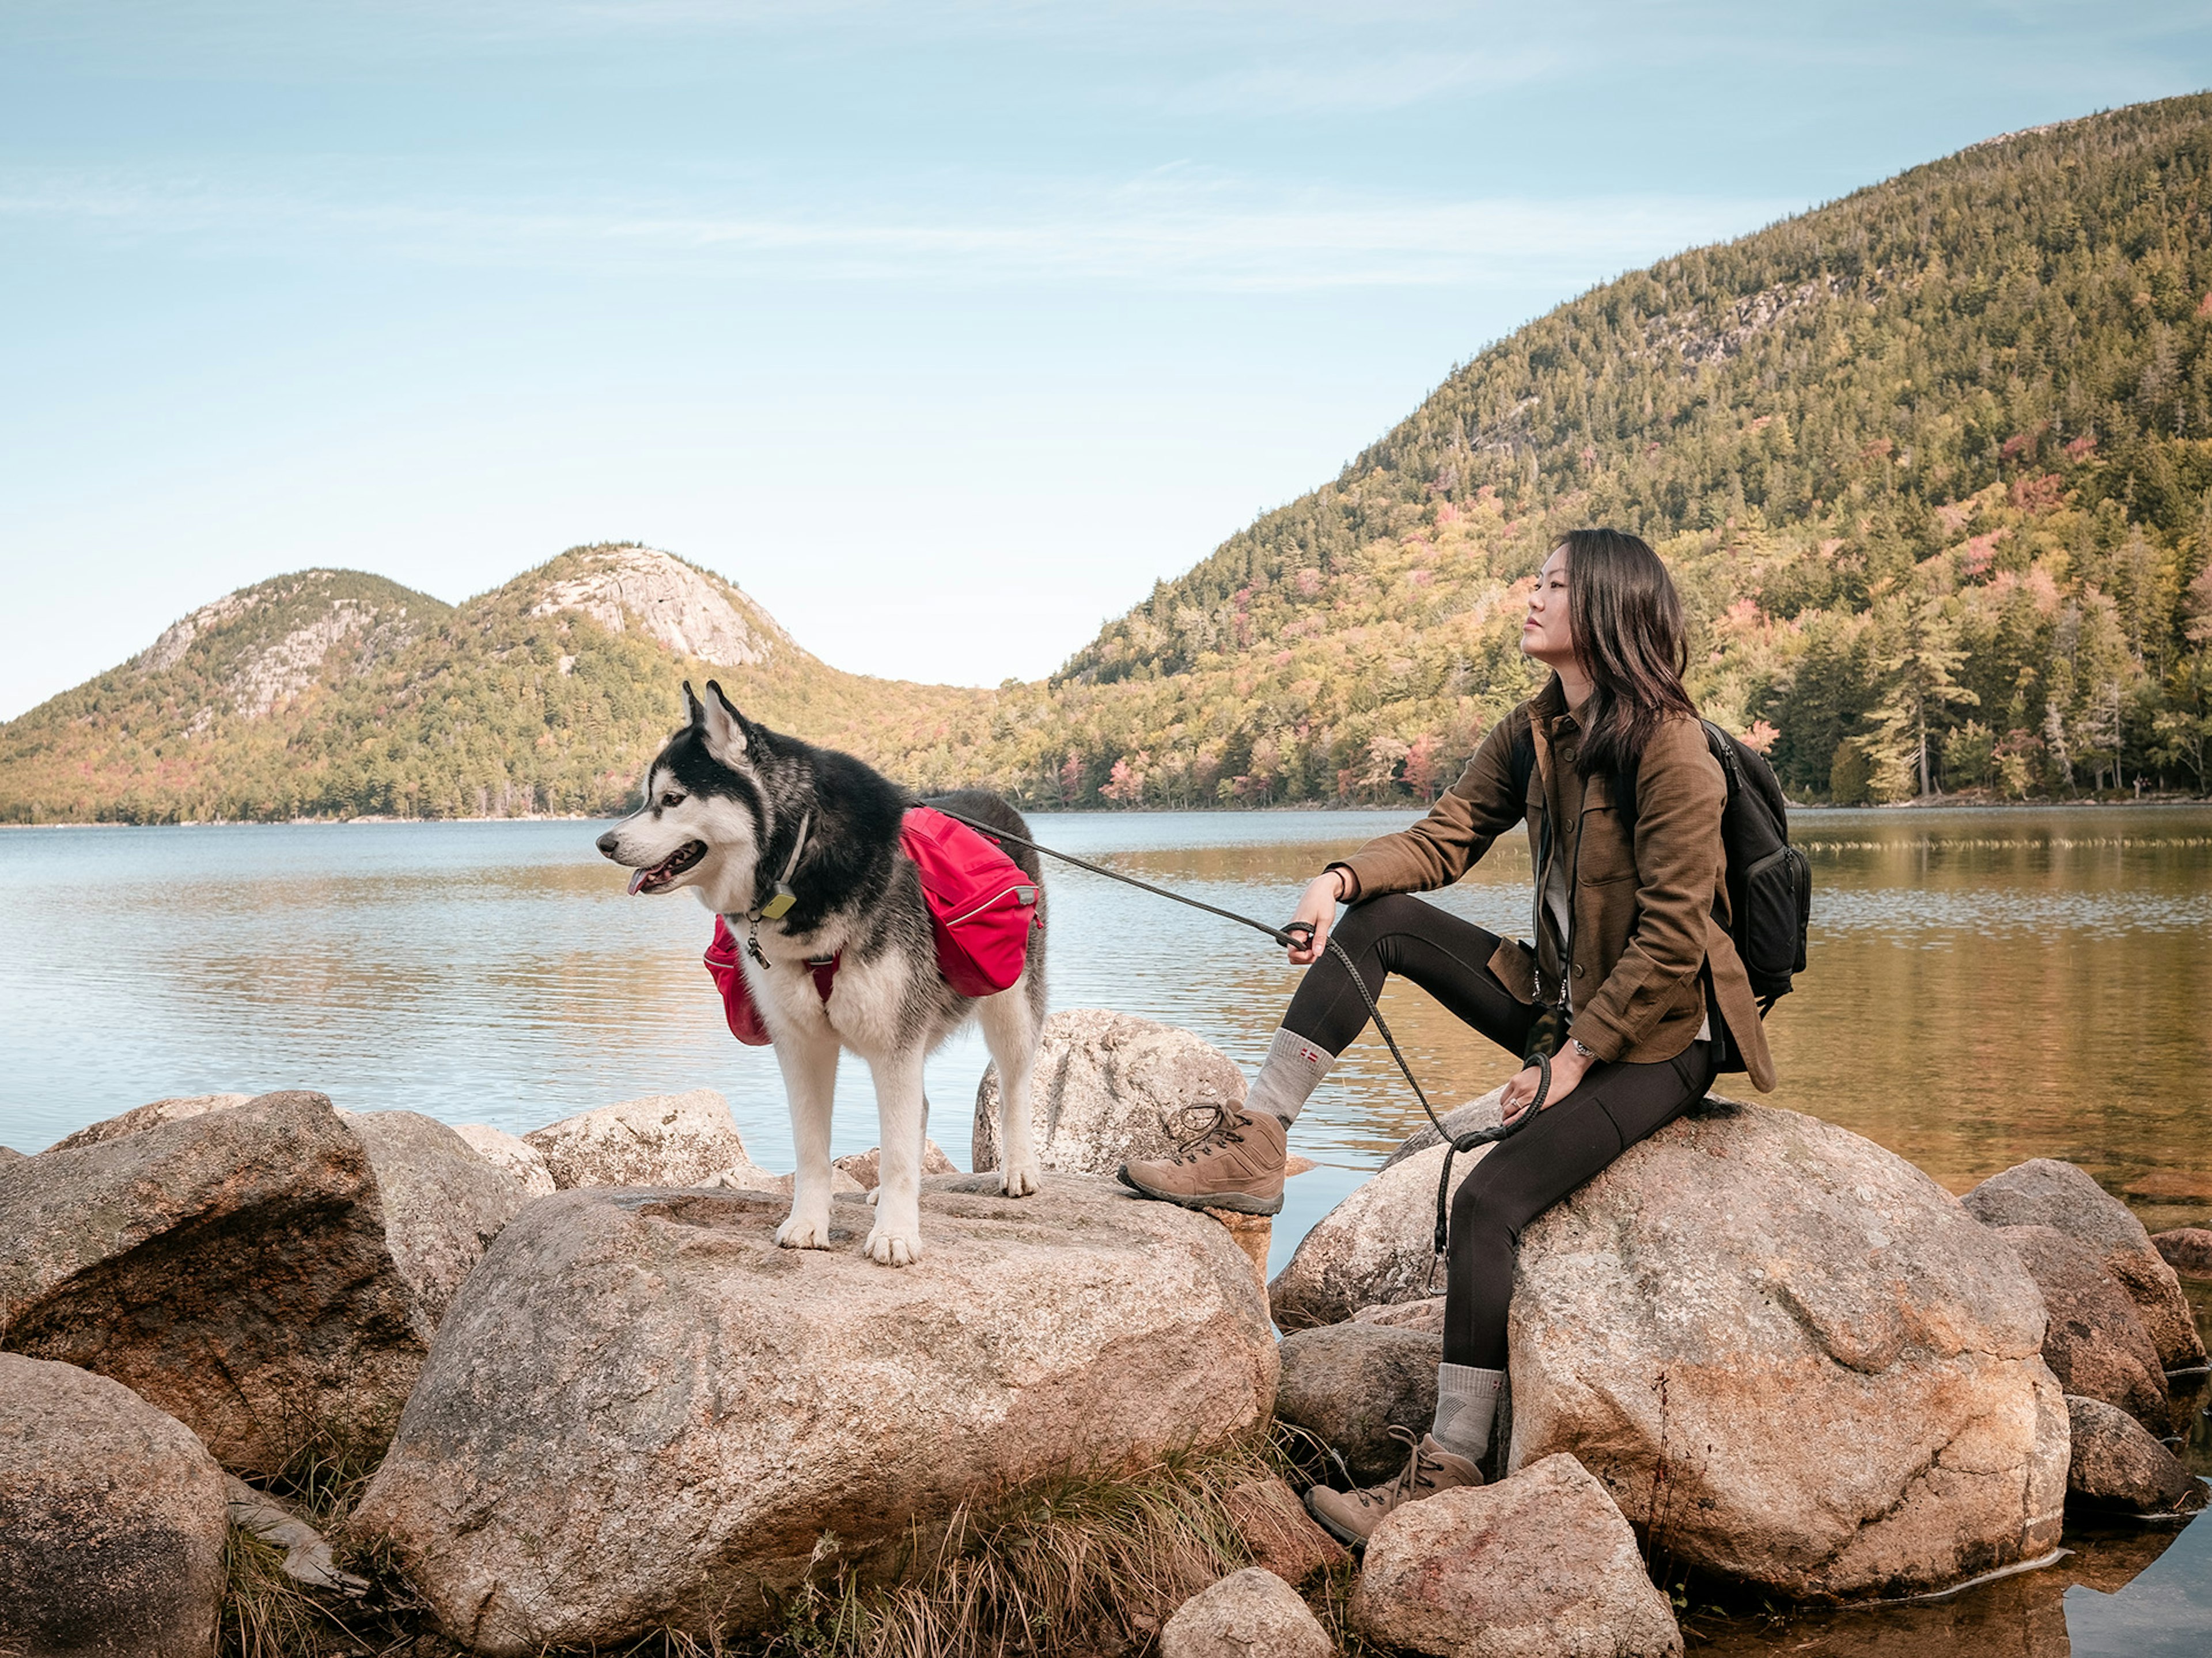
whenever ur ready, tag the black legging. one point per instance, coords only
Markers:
(1617, 1104)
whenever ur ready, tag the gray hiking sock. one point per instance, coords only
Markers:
(1467, 1403)
(1293, 1069)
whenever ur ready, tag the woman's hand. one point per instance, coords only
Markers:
(1317, 909)
(1569, 1066)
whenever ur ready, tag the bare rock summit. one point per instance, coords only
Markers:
(692, 611)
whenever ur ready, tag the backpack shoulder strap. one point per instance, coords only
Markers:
(1624, 779)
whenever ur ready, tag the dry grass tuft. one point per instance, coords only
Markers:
(267, 1614)
(1084, 1565)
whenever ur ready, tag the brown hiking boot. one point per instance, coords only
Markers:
(1353, 1515)
(1233, 1161)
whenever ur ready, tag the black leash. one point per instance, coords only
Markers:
(1288, 938)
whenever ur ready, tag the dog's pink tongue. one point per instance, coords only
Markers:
(638, 880)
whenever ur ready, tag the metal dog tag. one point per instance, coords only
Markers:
(779, 906)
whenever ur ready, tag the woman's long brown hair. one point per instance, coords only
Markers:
(1627, 623)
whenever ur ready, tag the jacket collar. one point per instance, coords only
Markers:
(1550, 704)
(1545, 708)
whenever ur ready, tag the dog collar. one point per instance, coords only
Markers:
(781, 901)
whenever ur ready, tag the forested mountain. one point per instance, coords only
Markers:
(1933, 465)
(334, 693)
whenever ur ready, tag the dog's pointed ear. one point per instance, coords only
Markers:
(723, 727)
(695, 710)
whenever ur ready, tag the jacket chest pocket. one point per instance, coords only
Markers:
(1608, 848)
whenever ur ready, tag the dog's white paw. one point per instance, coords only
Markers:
(1022, 1180)
(803, 1232)
(889, 1248)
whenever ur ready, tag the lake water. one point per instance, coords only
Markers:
(1986, 986)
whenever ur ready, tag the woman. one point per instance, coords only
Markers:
(1632, 979)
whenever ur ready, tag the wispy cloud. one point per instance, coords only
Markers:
(1363, 83)
(1177, 228)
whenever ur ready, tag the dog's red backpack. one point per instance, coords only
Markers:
(746, 1022)
(981, 910)
(981, 907)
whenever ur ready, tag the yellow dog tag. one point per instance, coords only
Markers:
(779, 906)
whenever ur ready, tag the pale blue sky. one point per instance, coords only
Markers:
(945, 329)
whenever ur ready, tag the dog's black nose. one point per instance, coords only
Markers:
(607, 844)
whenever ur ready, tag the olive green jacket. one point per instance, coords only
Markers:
(1649, 910)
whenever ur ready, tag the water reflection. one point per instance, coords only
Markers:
(2124, 1591)
(1986, 987)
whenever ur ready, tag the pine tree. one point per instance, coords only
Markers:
(1918, 657)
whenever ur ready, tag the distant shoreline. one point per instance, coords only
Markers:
(1962, 802)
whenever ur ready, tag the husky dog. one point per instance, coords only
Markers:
(731, 809)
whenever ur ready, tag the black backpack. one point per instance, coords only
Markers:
(1770, 881)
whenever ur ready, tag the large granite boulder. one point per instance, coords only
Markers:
(640, 1412)
(1425, 1314)
(1109, 1087)
(1540, 1565)
(2093, 1340)
(175, 1109)
(1278, 1533)
(522, 1161)
(865, 1168)
(2044, 1191)
(1349, 1384)
(112, 1518)
(1375, 1248)
(1251, 1614)
(269, 1275)
(2187, 1249)
(2115, 1464)
(662, 1139)
(1792, 1359)
(1485, 1111)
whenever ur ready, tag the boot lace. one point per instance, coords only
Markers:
(1218, 1129)
(1418, 1466)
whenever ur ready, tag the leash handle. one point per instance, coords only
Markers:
(1468, 1141)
